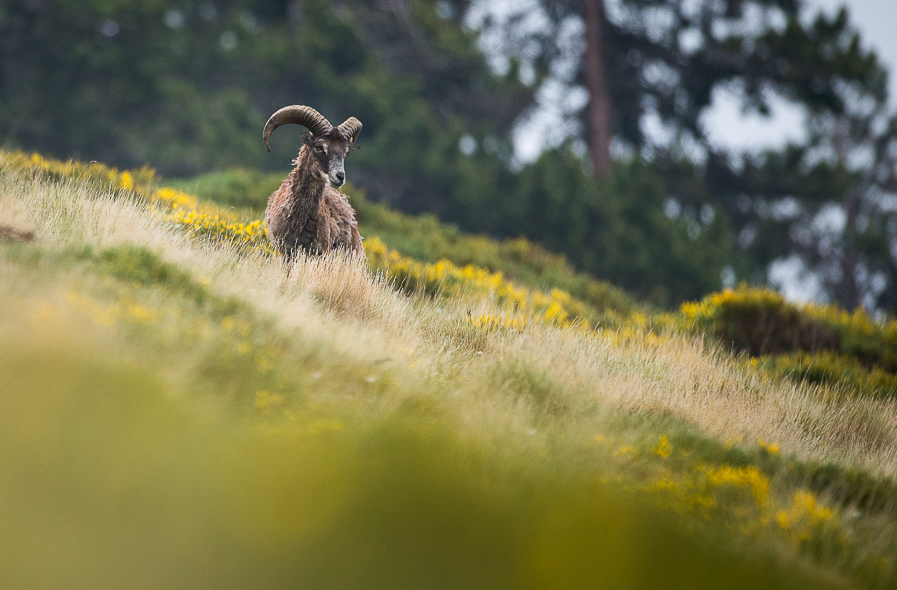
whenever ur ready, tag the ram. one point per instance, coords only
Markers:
(308, 213)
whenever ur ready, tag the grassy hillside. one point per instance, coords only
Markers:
(177, 411)
(818, 344)
(425, 239)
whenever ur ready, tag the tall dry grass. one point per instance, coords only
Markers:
(337, 302)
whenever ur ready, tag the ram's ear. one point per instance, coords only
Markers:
(307, 138)
(352, 147)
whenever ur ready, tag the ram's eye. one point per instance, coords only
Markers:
(319, 148)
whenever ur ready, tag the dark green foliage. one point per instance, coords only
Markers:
(188, 86)
(236, 187)
(812, 343)
(616, 228)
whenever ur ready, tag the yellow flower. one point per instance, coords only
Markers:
(126, 180)
(627, 451)
(741, 477)
(803, 516)
(264, 399)
(771, 448)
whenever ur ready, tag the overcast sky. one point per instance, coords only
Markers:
(877, 22)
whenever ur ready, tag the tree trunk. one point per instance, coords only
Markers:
(849, 292)
(599, 101)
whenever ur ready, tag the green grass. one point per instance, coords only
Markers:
(178, 412)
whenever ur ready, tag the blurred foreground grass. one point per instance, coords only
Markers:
(115, 478)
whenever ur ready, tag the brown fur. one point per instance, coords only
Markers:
(306, 214)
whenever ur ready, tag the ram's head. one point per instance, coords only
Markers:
(327, 145)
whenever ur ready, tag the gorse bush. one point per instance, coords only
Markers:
(445, 279)
(200, 218)
(94, 173)
(820, 344)
(759, 321)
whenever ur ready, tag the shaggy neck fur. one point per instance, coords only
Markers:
(307, 186)
(303, 202)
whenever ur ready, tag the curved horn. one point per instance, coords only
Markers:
(300, 115)
(350, 128)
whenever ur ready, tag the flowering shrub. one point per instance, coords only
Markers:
(742, 497)
(761, 321)
(186, 210)
(870, 341)
(445, 279)
(817, 343)
(758, 321)
(804, 515)
(252, 235)
(426, 239)
(94, 172)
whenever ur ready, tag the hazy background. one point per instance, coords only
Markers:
(726, 124)
(873, 18)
